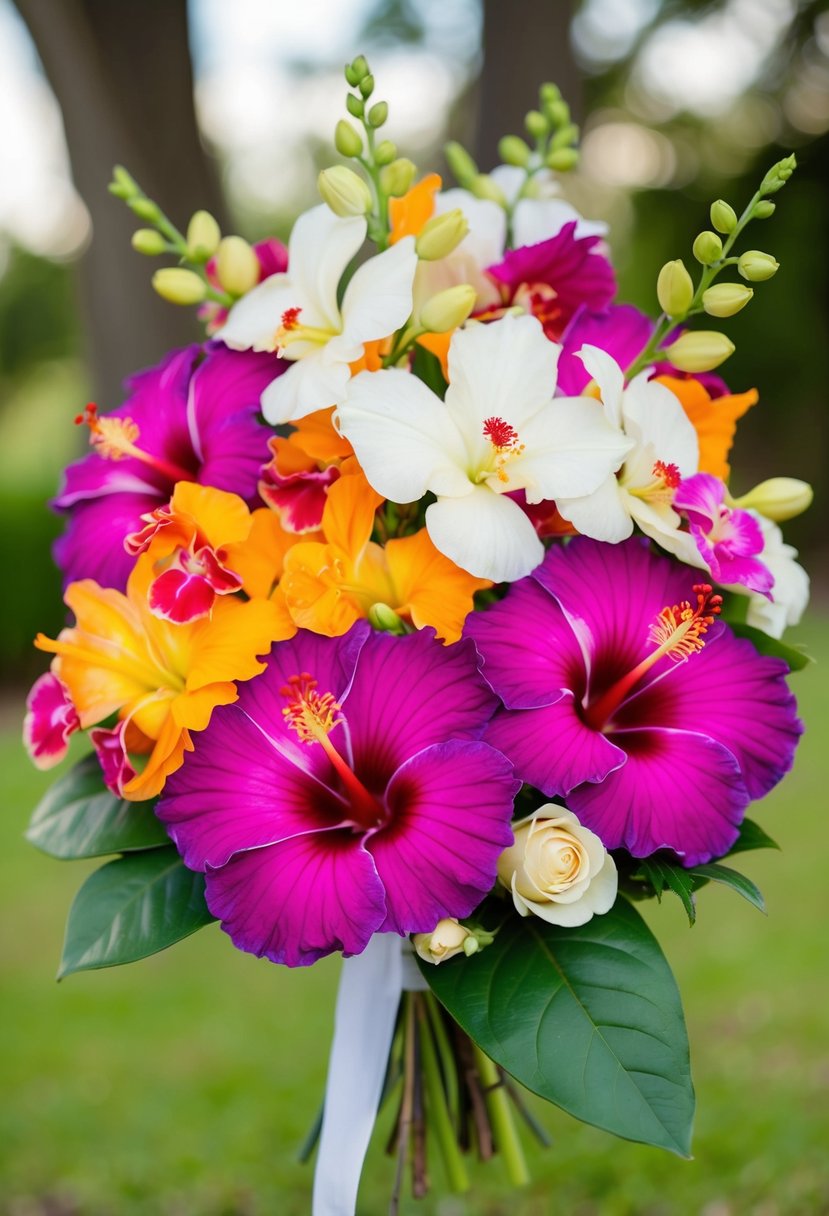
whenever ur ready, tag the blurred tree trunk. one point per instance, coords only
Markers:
(121, 72)
(526, 42)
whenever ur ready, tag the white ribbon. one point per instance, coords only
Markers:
(367, 1001)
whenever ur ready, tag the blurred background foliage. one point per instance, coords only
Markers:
(148, 1091)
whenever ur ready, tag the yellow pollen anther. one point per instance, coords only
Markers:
(308, 712)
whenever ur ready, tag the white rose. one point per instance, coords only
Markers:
(557, 869)
(447, 939)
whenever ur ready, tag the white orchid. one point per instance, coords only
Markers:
(297, 313)
(790, 592)
(499, 430)
(663, 449)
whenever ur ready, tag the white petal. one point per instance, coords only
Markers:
(539, 219)
(570, 449)
(253, 321)
(484, 243)
(308, 385)
(485, 533)
(610, 378)
(661, 429)
(403, 436)
(504, 370)
(661, 523)
(510, 178)
(379, 297)
(602, 514)
(321, 246)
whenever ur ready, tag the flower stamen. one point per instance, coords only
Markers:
(290, 330)
(666, 479)
(115, 439)
(504, 439)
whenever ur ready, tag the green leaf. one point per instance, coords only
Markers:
(79, 817)
(427, 368)
(731, 878)
(588, 1018)
(130, 908)
(662, 875)
(752, 836)
(793, 655)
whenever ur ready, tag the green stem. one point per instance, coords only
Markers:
(447, 1056)
(503, 1124)
(440, 1120)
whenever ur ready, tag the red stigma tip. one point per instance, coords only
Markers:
(499, 433)
(668, 473)
(290, 318)
(89, 416)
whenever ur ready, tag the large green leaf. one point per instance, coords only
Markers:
(588, 1018)
(132, 907)
(79, 817)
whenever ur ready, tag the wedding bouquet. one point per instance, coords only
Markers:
(413, 616)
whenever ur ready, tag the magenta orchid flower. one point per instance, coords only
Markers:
(194, 417)
(728, 538)
(625, 695)
(347, 792)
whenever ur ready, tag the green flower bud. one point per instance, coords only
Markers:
(461, 164)
(565, 137)
(367, 86)
(355, 105)
(549, 92)
(763, 209)
(347, 141)
(378, 114)
(384, 618)
(149, 242)
(698, 351)
(483, 186)
(726, 299)
(723, 217)
(448, 309)
(536, 124)
(440, 235)
(707, 248)
(396, 178)
(674, 289)
(778, 175)
(344, 191)
(385, 152)
(557, 113)
(203, 236)
(179, 286)
(779, 498)
(237, 266)
(471, 946)
(123, 185)
(356, 70)
(562, 160)
(757, 266)
(145, 209)
(513, 151)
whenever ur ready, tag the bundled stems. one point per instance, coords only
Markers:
(503, 1124)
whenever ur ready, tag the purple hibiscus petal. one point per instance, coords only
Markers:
(435, 861)
(677, 790)
(552, 748)
(736, 695)
(93, 544)
(392, 714)
(530, 653)
(620, 329)
(296, 901)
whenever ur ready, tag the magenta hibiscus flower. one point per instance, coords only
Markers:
(346, 793)
(625, 695)
(194, 417)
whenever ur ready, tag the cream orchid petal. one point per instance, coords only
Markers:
(655, 419)
(378, 300)
(601, 515)
(486, 534)
(320, 248)
(538, 219)
(402, 436)
(570, 448)
(310, 384)
(503, 370)
(609, 377)
(661, 523)
(253, 321)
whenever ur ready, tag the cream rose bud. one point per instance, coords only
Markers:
(557, 869)
(445, 941)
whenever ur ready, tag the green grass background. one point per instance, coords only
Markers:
(183, 1085)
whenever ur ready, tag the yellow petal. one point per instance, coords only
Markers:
(348, 516)
(429, 587)
(259, 559)
(222, 518)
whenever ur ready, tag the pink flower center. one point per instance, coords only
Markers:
(313, 715)
(115, 439)
(676, 632)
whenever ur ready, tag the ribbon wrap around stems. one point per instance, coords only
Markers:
(371, 985)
